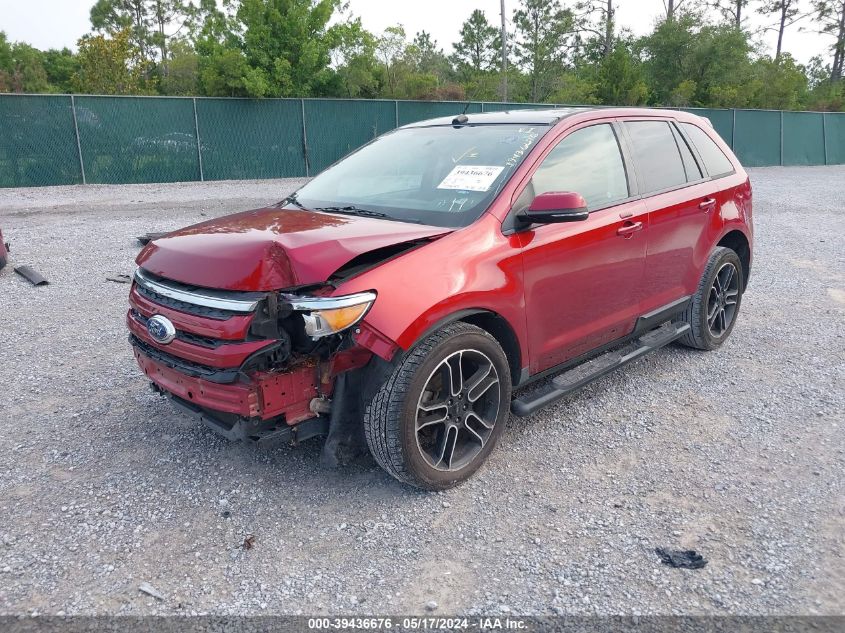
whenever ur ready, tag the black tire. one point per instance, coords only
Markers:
(702, 335)
(391, 419)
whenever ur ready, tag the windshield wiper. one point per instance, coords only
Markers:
(353, 210)
(295, 202)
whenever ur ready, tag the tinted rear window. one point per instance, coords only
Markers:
(690, 166)
(714, 159)
(656, 154)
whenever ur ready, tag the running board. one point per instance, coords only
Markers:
(577, 377)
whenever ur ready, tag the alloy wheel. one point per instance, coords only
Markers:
(457, 410)
(722, 300)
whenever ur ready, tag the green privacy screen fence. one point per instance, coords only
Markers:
(64, 140)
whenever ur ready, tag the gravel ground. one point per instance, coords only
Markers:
(739, 454)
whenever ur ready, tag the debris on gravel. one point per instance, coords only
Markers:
(680, 559)
(148, 589)
(738, 454)
(31, 275)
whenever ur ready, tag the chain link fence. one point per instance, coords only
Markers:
(77, 139)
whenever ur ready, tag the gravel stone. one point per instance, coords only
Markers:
(148, 589)
(738, 454)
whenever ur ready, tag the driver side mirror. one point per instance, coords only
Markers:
(556, 206)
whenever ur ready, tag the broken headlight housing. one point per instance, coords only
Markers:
(324, 316)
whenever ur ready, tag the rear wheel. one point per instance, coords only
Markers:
(441, 412)
(713, 310)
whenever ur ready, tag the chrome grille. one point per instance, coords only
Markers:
(224, 301)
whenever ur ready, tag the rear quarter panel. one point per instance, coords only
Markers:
(734, 191)
(735, 196)
(734, 203)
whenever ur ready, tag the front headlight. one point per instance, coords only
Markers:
(329, 315)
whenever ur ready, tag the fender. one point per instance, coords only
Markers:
(419, 291)
(460, 315)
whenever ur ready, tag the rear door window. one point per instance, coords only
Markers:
(714, 158)
(656, 154)
(690, 166)
(587, 161)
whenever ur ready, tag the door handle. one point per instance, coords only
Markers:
(707, 204)
(629, 228)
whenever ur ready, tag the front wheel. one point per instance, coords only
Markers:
(713, 310)
(441, 412)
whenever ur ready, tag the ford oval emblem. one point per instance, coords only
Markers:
(161, 329)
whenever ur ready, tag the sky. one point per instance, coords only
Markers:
(59, 23)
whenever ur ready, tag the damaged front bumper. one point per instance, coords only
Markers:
(261, 433)
(244, 370)
(263, 395)
(266, 410)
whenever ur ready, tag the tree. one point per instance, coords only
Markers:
(223, 74)
(824, 94)
(599, 18)
(354, 57)
(115, 16)
(477, 50)
(780, 85)
(427, 71)
(477, 58)
(424, 56)
(414, 70)
(672, 8)
(152, 24)
(689, 61)
(667, 51)
(110, 66)
(621, 79)
(787, 12)
(60, 66)
(286, 48)
(21, 68)
(830, 15)
(390, 47)
(544, 43)
(222, 65)
(167, 18)
(286, 45)
(731, 10)
(29, 74)
(182, 76)
(6, 65)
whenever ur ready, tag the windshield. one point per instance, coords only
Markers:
(442, 176)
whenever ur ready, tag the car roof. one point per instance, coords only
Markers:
(543, 116)
(520, 116)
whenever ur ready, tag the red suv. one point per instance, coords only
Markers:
(403, 295)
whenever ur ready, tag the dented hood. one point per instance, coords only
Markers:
(273, 248)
